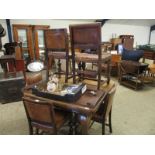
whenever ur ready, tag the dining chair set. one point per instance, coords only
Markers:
(85, 47)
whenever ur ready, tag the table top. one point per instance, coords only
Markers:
(86, 104)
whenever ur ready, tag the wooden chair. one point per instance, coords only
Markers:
(56, 44)
(103, 115)
(86, 38)
(42, 116)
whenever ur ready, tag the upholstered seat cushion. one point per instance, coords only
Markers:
(134, 55)
(58, 55)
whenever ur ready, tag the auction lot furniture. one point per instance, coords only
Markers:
(103, 114)
(131, 73)
(149, 55)
(11, 88)
(149, 51)
(42, 116)
(56, 45)
(127, 41)
(87, 38)
(84, 107)
(115, 59)
(5, 61)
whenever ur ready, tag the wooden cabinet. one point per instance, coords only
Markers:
(11, 88)
(127, 41)
(32, 38)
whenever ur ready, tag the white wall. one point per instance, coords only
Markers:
(141, 33)
(152, 39)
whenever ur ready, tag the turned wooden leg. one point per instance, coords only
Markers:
(108, 72)
(80, 68)
(72, 124)
(73, 68)
(84, 122)
(30, 130)
(59, 68)
(103, 127)
(67, 70)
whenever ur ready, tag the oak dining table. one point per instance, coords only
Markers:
(84, 107)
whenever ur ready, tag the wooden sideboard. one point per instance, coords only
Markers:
(11, 88)
(148, 54)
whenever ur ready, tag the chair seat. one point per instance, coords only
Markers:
(58, 55)
(86, 57)
(92, 58)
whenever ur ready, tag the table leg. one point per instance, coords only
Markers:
(84, 122)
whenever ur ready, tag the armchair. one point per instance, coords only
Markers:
(131, 70)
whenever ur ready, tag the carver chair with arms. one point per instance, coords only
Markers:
(131, 71)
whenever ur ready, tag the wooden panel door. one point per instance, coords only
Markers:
(32, 38)
(39, 44)
(23, 33)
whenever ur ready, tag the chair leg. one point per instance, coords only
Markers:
(103, 127)
(37, 131)
(30, 130)
(80, 68)
(71, 124)
(59, 68)
(110, 124)
(67, 70)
